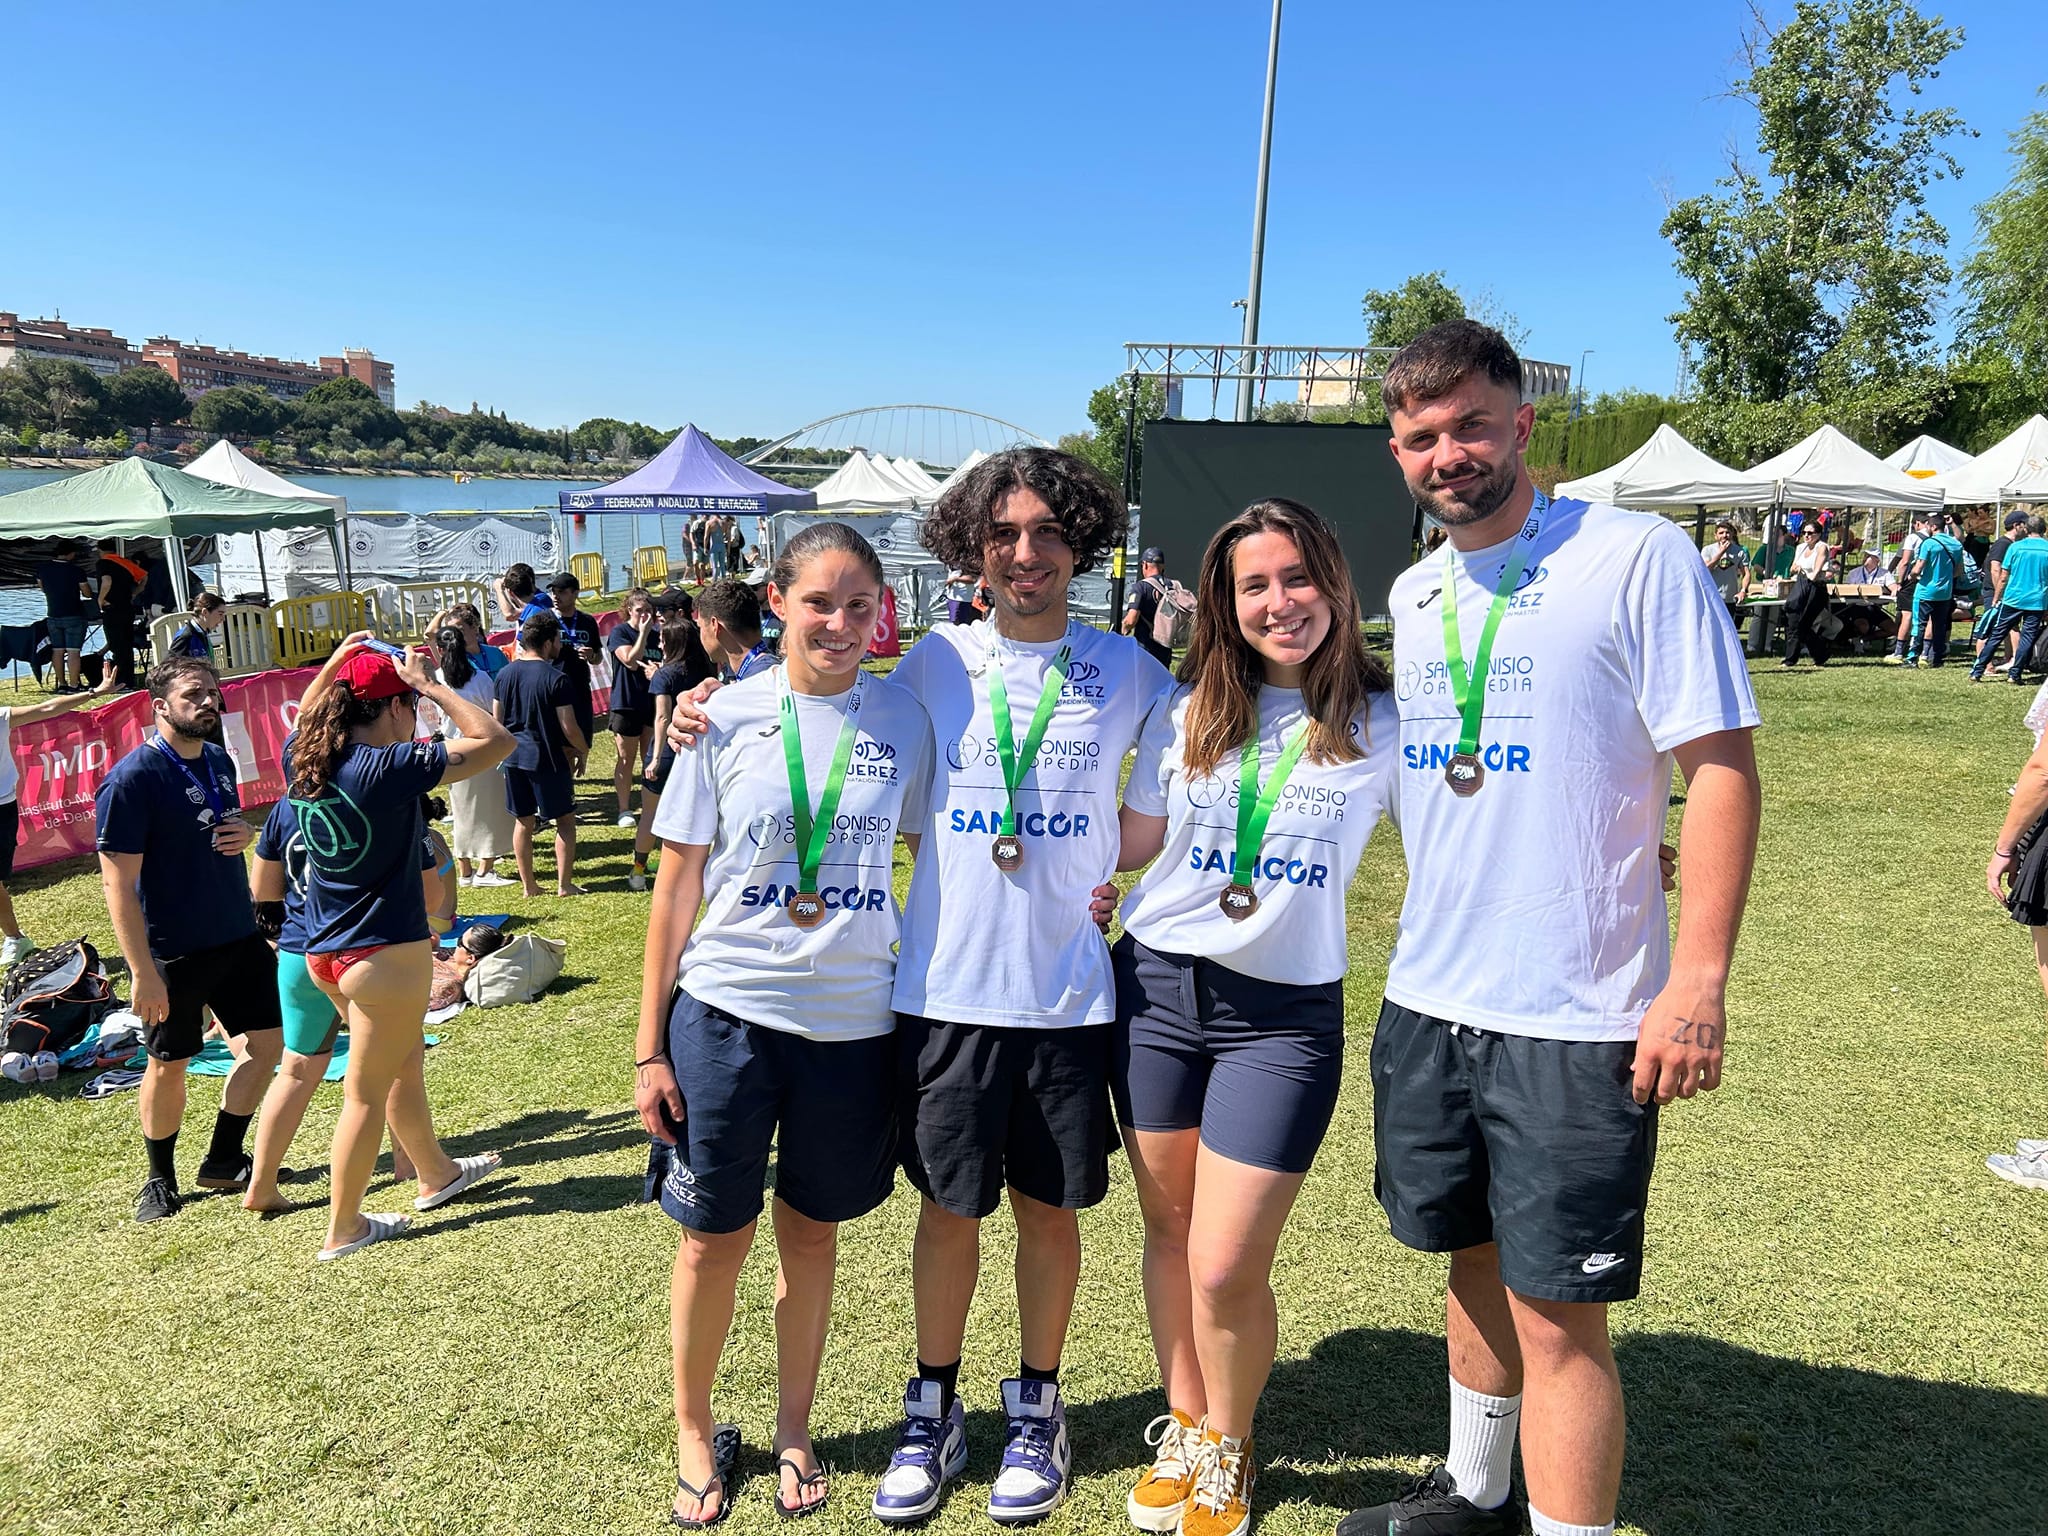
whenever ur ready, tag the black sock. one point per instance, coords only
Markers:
(229, 1131)
(162, 1152)
(948, 1378)
(1025, 1372)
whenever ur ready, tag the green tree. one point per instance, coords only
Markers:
(1817, 268)
(242, 410)
(1396, 316)
(1107, 409)
(51, 394)
(146, 397)
(2006, 280)
(346, 405)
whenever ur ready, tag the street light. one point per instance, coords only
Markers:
(1251, 304)
(1579, 398)
(1572, 415)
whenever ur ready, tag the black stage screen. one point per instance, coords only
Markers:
(1200, 474)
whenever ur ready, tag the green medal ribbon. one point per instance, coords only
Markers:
(813, 834)
(1013, 761)
(1255, 805)
(1468, 689)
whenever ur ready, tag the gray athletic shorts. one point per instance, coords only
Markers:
(1535, 1145)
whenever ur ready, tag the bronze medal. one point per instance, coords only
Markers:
(806, 909)
(1008, 852)
(1464, 774)
(1238, 902)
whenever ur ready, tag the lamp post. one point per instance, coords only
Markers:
(1572, 415)
(1251, 307)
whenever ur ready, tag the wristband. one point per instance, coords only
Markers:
(2002, 853)
(660, 1057)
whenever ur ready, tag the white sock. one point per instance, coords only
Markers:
(1543, 1525)
(1483, 1431)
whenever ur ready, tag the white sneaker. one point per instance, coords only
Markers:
(636, 881)
(627, 819)
(492, 878)
(12, 950)
(46, 1066)
(18, 1067)
(2032, 1146)
(465, 881)
(2027, 1172)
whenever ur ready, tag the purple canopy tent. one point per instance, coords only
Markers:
(692, 474)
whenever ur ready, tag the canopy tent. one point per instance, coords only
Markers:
(394, 547)
(865, 482)
(692, 474)
(960, 472)
(134, 498)
(914, 475)
(1668, 471)
(1828, 469)
(225, 464)
(1925, 457)
(2013, 469)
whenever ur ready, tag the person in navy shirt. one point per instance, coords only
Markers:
(65, 592)
(537, 705)
(170, 834)
(579, 652)
(355, 784)
(195, 639)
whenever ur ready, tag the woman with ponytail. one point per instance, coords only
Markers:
(1256, 792)
(483, 827)
(685, 664)
(355, 783)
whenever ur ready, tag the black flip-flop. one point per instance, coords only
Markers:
(819, 1478)
(725, 1456)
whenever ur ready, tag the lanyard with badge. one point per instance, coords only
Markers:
(1008, 848)
(204, 786)
(745, 669)
(1254, 810)
(807, 909)
(1464, 772)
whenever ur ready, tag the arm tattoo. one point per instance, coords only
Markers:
(1697, 1032)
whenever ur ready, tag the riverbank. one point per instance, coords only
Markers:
(69, 465)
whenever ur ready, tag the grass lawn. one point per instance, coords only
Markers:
(1845, 1326)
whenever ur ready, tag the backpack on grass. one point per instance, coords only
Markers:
(50, 999)
(1173, 616)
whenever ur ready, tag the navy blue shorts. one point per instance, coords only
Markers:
(1535, 1145)
(1254, 1064)
(530, 792)
(823, 1105)
(988, 1105)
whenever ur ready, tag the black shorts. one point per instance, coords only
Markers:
(984, 1105)
(824, 1106)
(238, 981)
(1536, 1145)
(631, 722)
(1255, 1064)
(1906, 590)
(10, 837)
(535, 792)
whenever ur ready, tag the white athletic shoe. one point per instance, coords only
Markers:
(18, 1067)
(627, 819)
(2027, 1172)
(12, 950)
(46, 1066)
(2032, 1146)
(636, 881)
(491, 877)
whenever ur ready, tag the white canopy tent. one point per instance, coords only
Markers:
(1828, 469)
(1668, 471)
(914, 475)
(1925, 457)
(2013, 469)
(225, 464)
(959, 472)
(864, 482)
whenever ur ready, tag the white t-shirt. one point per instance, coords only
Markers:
(10, 774)
(1535, 907)
(1311, 849)
(981, 946)
(732, 795)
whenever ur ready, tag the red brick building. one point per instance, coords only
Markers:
(101, 351)
(356, 363)
(198, 369)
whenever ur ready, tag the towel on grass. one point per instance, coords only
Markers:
(216, 1060)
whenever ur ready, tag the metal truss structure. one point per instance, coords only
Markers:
(1333, 375)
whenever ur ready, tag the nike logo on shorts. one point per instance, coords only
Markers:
(1600, 1263)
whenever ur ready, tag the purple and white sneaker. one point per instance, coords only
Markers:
(930, 1452)
(1037, 1459)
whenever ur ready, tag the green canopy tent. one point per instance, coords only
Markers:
(134, 498)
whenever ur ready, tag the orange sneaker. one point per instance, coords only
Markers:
(1155, 1504)
(1221, 1503)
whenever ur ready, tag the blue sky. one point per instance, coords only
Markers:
(751, 216)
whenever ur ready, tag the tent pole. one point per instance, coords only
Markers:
(181, 581)
(1699, 526)
(334, 537)
(262, 575)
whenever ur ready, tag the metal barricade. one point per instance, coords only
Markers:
(650, 566)
(409, 607)
(308, 629)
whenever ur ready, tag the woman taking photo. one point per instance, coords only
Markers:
(483, 826)
(1257, 792)
(635, 653)
(355, 785)
(782, 821)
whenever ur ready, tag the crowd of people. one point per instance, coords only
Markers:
(983, 1039)
(83, 586)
